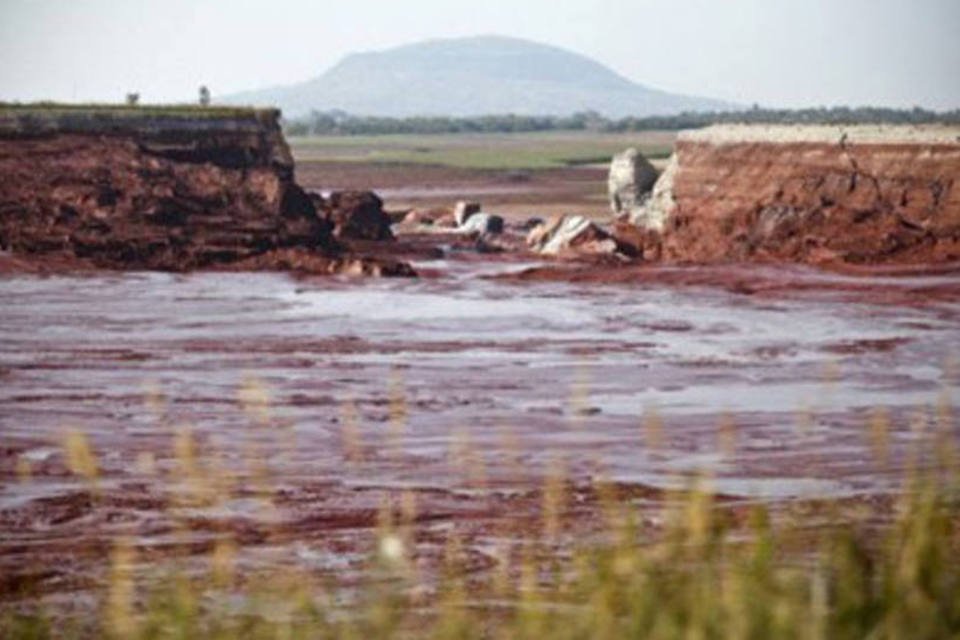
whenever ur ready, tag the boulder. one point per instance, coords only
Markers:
(531, 223)
(463, 210)
(570, 234)
(482, 223)
(318, 201)
(658, 206)
(358, 215)
(312, 263)
(630, 180)
(435, 216)
(416, 217)
(301, 226)
(397, 216)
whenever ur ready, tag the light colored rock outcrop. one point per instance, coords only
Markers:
(570, 234)
(653, 213)
(436, 216)
(630, 179)
(463, 210)
(483, 223)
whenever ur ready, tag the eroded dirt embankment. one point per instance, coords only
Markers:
(812, 194)
(170, 192)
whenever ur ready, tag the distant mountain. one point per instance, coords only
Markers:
(473, 76)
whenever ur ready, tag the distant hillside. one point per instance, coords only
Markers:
(473, 76)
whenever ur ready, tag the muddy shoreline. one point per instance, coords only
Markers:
(326, 398)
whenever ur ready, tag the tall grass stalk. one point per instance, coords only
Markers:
(710, 570)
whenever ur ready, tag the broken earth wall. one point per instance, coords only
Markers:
(153, 188)
(812, 194)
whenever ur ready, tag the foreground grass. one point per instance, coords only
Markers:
(700, 581)
(539, 150)
(709, 572)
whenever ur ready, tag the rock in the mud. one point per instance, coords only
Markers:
(416, 217)
(379, 268)
(657, 208)
(358, 215)
(435, 216)
(301, 225)
(397, 216)
(463, 210)
(318, 201)
(482, 223)
(630, 180)
(571, 234)
(313, 263)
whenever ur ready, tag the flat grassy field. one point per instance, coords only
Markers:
(536, 150)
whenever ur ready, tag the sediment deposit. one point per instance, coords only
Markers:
(325, 399)
(812, 194)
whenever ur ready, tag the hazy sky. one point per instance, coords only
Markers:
(775, 52)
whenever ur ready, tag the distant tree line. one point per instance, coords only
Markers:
(341, 123)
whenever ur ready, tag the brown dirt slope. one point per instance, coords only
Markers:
(815, 194)
(167, 194)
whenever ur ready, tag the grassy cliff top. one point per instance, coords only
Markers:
(53, 109)
(49, 118)
(854, 134)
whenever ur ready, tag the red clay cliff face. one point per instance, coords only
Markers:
(172, 195)
(877, 199)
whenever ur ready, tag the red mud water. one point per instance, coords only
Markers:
(466, 389)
